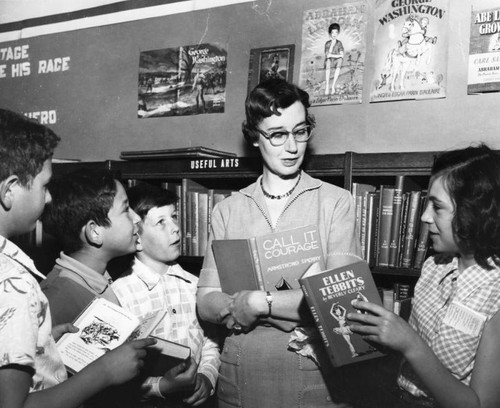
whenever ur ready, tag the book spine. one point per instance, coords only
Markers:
(373, 222)
(195, 223)
(422, 245)
(256, 263)
(396, 221)
(385, 210)
(203, 223)
(315, 311)
(184, 217)
(363, 234)
(401, 292)
(409, 245)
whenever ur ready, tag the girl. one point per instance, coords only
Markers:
(450, 346)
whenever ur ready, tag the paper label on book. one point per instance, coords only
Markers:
(464, 319)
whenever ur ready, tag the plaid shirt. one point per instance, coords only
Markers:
(143, 291)
(439, 285)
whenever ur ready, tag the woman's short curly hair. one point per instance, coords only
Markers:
(265, 100)
(471, 177)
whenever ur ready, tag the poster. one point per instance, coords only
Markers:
(270, 62)
(333, 53)
(410, 50)
(484, 47)
(187, 80)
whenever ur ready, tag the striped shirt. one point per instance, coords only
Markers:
(142, 291)
(440, 289)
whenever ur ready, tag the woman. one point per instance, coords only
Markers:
(257, 367)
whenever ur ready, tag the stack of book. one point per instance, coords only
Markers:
(388, 223)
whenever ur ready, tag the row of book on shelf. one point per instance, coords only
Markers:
(388, 222)
(194, 209)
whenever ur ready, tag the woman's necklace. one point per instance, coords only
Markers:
(278, 197)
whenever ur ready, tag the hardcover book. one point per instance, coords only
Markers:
(385, 224)
(270, 262)
(103, 326)
(329, 295)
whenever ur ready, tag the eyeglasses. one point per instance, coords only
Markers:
(279, 138)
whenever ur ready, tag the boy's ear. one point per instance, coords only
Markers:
(93, 233)
(7, 191)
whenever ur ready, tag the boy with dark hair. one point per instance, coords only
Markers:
(31, 370)
(91, 217)
(157, 282)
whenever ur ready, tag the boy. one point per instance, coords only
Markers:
(157, 282)
(90, 216)
(31, 370)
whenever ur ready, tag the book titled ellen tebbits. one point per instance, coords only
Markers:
(329, 295)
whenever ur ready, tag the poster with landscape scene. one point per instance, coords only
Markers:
(187, 80)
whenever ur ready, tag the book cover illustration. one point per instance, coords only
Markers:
(332, 69)
(330, 294)
(484, 47)
(270, 262)
(103, 326)
(186, 80)
(410, 50)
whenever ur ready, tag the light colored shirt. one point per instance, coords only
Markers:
(71, 286)
(142, 291)
(25, 322)
(440, 286)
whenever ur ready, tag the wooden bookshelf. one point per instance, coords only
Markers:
(238, 172)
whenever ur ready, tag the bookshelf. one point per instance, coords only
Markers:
(234, 173)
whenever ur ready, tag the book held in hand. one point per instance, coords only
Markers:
(270, 262)
(103, 326)
(164, 355)
(329, 295)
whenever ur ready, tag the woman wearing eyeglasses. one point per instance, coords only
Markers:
(259, 367)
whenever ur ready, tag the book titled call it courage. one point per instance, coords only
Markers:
(270, 262)
(329, 295)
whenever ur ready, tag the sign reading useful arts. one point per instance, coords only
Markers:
(187, 80)
(410, 50)
(333, 53)
(484, 47)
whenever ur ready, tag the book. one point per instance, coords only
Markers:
(411, 227)
(329, 295)
(422, 245)
(372, 215)
(164, 355)
(103, 326)
(360, 192)
(270, 262)
(179, 153)
(401, 292)
(385, 224)
(402, 185)
(189, 216)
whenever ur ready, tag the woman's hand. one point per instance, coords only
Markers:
(245, 309)
(383, 327)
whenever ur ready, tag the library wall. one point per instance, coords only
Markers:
(92, 100)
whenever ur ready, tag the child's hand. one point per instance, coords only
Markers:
(202, 390)
(179, 378)
(60, 329)
(382, 327)
(123, 363)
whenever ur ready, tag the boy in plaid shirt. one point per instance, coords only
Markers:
(157, 282)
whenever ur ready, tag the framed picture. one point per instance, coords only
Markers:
(270, 62)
